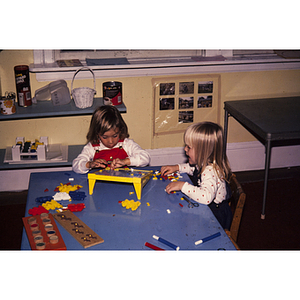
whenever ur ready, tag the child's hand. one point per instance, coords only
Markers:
(117, 163)
(165, 170)
(174, 186)
(98, 163)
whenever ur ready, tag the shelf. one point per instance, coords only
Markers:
(45, 109)
(73, 152)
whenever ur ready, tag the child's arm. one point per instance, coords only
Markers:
(138, 156)
(97, 163)
(174, 186)
(118, 163)
(165, 170)
(211, 188)
(182, 168)
(79, 164)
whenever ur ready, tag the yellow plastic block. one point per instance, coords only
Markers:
(68, 187)
(131, 204)
(51, 205)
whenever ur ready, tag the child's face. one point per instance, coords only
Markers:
(110, 138)
(190, 152)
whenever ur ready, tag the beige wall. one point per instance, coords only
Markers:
(138, 98)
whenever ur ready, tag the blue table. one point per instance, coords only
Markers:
(124, 229)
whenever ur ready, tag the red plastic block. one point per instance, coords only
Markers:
(37, 210)
(76, 207)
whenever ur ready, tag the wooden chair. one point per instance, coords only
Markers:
(236, 202)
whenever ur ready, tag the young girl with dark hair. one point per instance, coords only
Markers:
(109, 144)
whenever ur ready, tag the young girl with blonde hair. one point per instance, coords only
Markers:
(209, 167)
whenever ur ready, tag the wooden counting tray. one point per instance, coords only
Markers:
(78, 229)
(31, 234)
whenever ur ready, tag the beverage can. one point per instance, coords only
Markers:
(23, 85)
(112, 93)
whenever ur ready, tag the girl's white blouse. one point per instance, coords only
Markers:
(211, 188)
(138, 156)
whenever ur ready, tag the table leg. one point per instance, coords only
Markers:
(267, 167)
(91, 185)
(225, 130)
(138, 190)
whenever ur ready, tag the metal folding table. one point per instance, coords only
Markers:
(273, 121)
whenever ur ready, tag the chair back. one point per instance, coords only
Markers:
(236, 202)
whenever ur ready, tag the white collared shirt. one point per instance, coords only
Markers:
(138, 156)
(211, 188)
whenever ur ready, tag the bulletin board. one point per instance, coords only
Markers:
(181, 101)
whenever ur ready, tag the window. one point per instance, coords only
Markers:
(143, 56)
(129, 54)
(61, 64)
(44, 57)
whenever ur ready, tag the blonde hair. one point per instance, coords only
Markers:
(105, 118)
(207, 140)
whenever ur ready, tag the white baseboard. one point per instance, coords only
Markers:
(167, 156)
(249, 156)
(245, 156)
(242, 156)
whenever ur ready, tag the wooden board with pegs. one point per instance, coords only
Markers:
(78, 229)
(43, 233)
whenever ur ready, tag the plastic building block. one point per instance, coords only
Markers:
(131, 204)
(76, 207)
(59, 196)
(67, 188)
(37, 210)
(77, 195)
(43, 199)
(51, 205)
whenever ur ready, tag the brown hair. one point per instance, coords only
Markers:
(207, 140)
(105, 118)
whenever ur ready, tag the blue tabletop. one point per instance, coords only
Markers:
(124, 229)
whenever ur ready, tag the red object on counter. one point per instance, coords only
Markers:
(37, 210)
(76, 207)
(153, 247)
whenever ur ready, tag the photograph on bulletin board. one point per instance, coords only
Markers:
(204, 101)
(186, 87)
(181, 101)
(166, 103)
(167, 88)
(205, 87)
(186, 117)
(186, 102)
